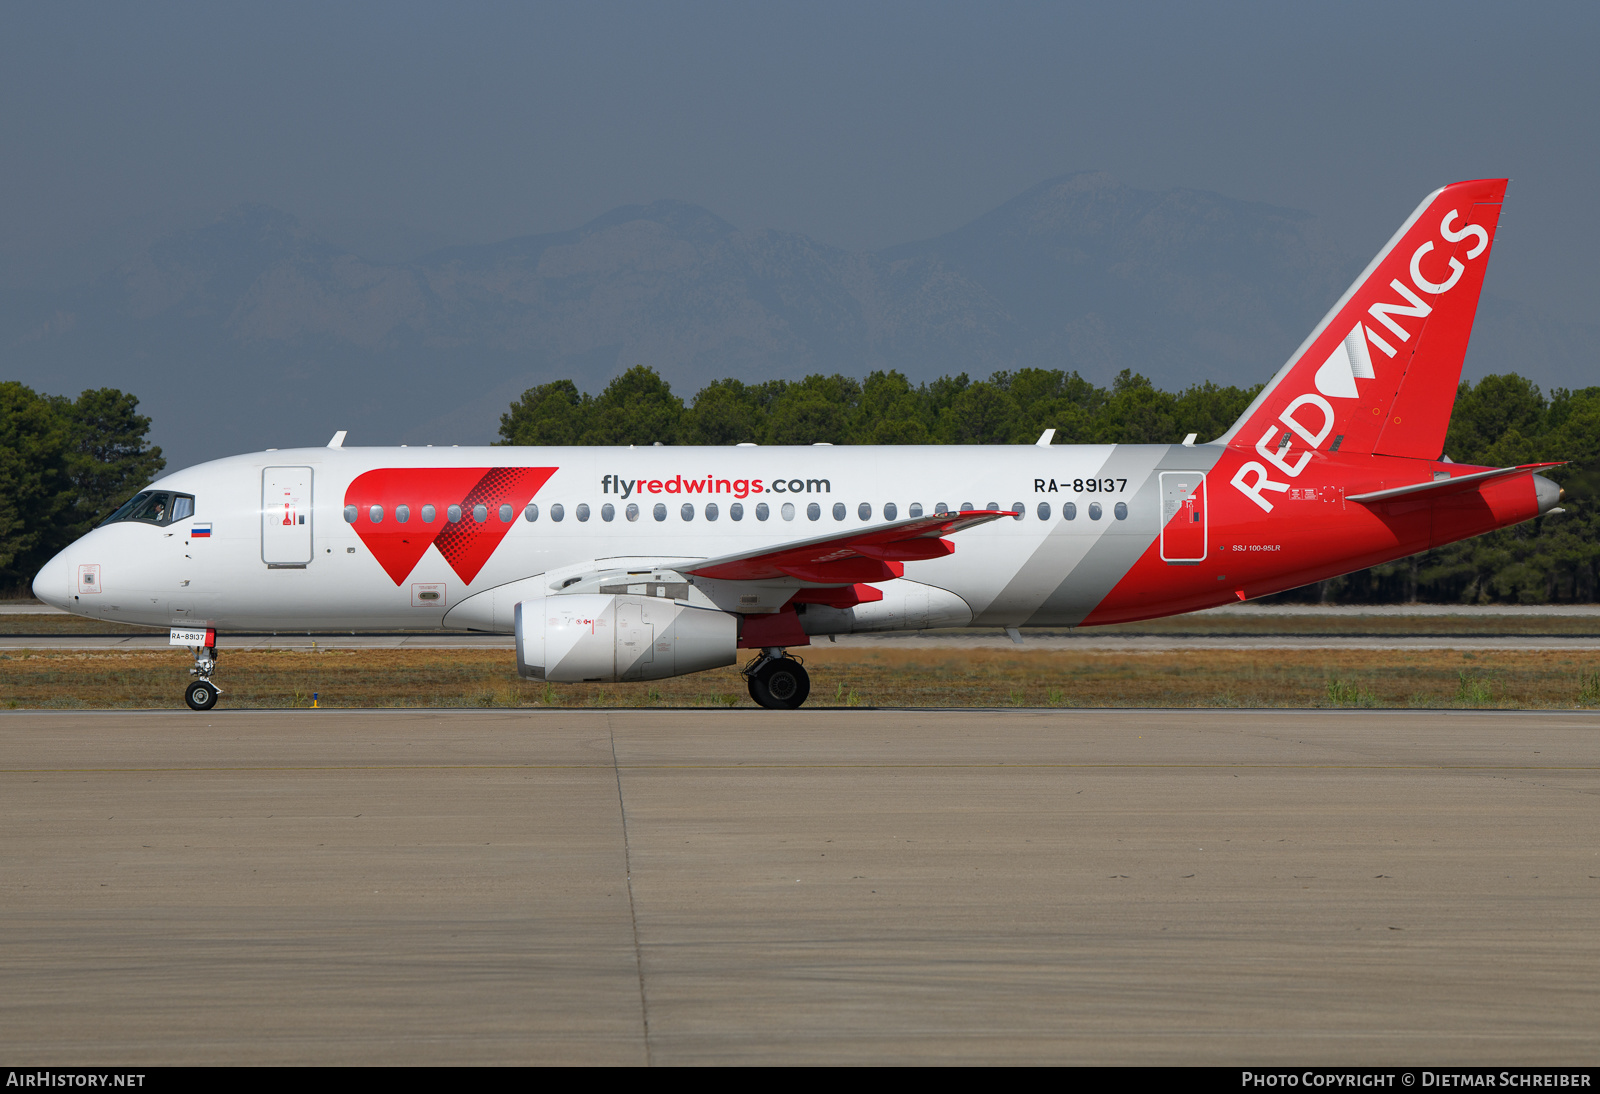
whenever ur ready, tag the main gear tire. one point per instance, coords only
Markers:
(780, 684)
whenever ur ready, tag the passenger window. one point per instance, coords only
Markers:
(864, 511)
(659, 512)
(453, 514)
(736, 511)
(1069, 511)
(788, 510)
(687, 512)
(557, 512)
(889, 511)
(813, 511)
(940, 509)
(428, 513)
(1020, 508)
(1044, 510)
(966, 507)
(762, 512)
(505, 514)
(349, 514)
(838, 510)
(915, 511)
(632, 511)
(402, 513)
(993, 507)
(530, 514)
(1095, 511)
(375, 514)
(582, 511)
(608, 512)
(480, 513)
(711, 510)
(1121, 510)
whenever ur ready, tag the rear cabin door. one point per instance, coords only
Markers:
(1183, 517)
(286, 516)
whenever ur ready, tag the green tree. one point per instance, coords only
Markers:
(1052, 399)
(891, 412)
(817, 409)
(550, 414)
(1137, 413)
(636, 408)
(727, 412)
(65, 465)
(1492, 417)
(34, 498)
(1208, 410)
(982, 413)
(108, 458)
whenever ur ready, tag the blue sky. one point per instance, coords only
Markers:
(398, 126)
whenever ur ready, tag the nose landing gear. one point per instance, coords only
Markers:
(776, 680)
(202, 693)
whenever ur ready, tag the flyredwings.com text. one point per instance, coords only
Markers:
(739, 488)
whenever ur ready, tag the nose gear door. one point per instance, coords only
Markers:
(286, 516)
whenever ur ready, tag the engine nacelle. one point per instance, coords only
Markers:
(594, 636)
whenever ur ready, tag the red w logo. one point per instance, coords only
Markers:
(486, 499)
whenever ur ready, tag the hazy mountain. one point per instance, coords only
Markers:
(253, 332)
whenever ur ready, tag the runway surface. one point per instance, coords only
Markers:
(679, 887)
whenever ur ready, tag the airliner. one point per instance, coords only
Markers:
(624, 564)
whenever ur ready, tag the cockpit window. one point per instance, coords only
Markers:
(158, 507)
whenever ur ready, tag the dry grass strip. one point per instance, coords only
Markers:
(840, 677)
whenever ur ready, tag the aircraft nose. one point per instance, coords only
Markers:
(53, 584)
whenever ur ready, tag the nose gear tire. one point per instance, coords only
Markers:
(200, 695)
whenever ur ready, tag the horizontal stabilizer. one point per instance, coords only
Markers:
(1460, 484)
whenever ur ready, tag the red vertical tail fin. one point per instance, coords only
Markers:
(1379, 373)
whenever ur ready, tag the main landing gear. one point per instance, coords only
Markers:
(202, 693)
(776, 680)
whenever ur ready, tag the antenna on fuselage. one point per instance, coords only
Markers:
(338, 439)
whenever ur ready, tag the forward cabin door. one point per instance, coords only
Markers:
(286, 516)
(1183, 517)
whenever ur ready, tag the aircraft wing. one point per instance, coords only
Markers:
(868, 554)
(1459, 484)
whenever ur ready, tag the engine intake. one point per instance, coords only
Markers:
(592, 636)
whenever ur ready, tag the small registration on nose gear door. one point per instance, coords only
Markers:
(286, 516)
(1183, 516)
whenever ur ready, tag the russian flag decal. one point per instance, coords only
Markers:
(200, 531)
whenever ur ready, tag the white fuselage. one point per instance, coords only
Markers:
(161, 576)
